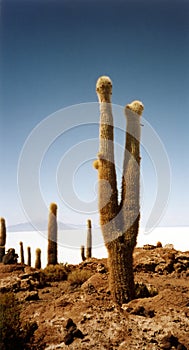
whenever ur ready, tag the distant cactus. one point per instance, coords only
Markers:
(2, 238)
(21, 253)
(52, 235)
(38, 258)
(83, 253)
(89, 240)
(119, 221)
(29, 256)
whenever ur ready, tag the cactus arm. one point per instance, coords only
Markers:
(108, 194)
(131, 174)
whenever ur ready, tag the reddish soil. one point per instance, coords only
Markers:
(158, 322)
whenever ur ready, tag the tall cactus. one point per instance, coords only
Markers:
(38, 258)
(83, 253)
(119, 221)
(89, 240)
(2, 238)
(21, 253)
(52, 235)
(29, 256)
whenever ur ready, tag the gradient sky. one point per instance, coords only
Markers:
(52, 53)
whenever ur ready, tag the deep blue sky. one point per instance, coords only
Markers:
(52, 53)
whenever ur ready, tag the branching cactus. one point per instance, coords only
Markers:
(21, 253)
(52, 235)
(119, 221)
(38, 258)
(83, 253)
(29, 256)
(89, 240)
(2, 238)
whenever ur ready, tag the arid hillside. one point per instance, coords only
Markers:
(73, 309)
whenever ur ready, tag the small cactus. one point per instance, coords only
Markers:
(2, 238)
(83, 253)
(38, 258)
(89, 240)
(29, 256)
(159, 244)
(52, 235)
(21, 253)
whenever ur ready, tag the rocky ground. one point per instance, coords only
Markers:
(82, 317)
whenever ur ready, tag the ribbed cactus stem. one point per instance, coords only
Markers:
(52, 235)
(132, 144)
(89, 240)
(121, 276)
(29, 256)
(38, 258)
(129, 206)
(108, 195)
(83, 253)
(2, 238)
(131, 173)
(21, 253)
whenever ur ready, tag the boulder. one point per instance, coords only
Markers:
(10, 257)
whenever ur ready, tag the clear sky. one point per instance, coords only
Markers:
(52, 53)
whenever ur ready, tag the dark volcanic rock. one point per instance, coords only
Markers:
(143, 290)
(170, 341)
(69, 338)
(72, 332)
(70, 323)
(141, 311)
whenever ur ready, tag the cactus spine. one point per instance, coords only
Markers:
(119, 221)
(83, 253)
(21, 253)
(2, 238)
(89, 240)
(29, 256)
(38, 258)
(52, 235)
